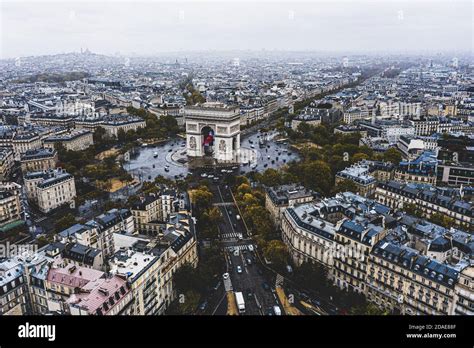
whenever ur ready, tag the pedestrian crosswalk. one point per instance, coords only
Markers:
(238, 247)
(279, 280)
(233, 235)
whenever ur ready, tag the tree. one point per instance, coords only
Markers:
(412, 209)
(317, 176)
(359, 156)
(312, 276)
(43, 240)
(186, 278)
(65, 222)
(345, 186)
(207, 223)
(270, 177)
(368, 309)
(392, 155)
(121, 135)
(202, 199)
(442, 220)
(277, 252)
(185, 304)
(243, 189)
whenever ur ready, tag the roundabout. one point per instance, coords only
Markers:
(171, 161)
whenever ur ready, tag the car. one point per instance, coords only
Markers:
(239, 269)
(210, 176)
(230, 212)
(217, 285)
(265, 286)
(235, 226)
(260, 272)
(277, 310)
(316, 302)
(249, 294)
(203, 306)
(225, 276)
(250, 247)
(304, 296)
(236, 252)
(249, 262)
(203, 175)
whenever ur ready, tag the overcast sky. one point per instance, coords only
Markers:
(153, 26)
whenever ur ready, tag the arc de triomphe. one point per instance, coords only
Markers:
(213, 130)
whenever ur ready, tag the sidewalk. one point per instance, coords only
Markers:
(231, 304)
(287, 306)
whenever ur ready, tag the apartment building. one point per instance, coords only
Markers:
(75, 140)
(63, 281)
(13, 291)
(400, 278)
(399, 262)
(427, 199)
(50, 189)
(104, 296)
(42, 159)
(98, 232)
(125, 123)
(354, 241)
(455, 174)
(359, 174)
(152, 210)
(277, 199)
(77, 254)
(149, 263)
(356, 113)
(10, 204)
(464, 292)
(7, 161)
(423, 169)
(22, 142)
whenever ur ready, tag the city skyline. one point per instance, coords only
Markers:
(158, 27)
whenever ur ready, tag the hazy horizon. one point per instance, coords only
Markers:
(149, 28)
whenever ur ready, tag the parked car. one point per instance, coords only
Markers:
(217, 285)
(265, 286)
(239, 269)
(203, 306)
(304, 296)
(225, 276)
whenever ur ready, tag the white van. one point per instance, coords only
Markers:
(277, 310)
